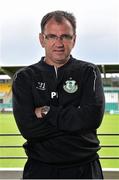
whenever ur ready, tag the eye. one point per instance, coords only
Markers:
(63, 37)
(66, 37)
(51, 37)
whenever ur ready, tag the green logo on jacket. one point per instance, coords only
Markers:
(70, 86)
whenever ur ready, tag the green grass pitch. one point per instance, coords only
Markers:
(110, 124)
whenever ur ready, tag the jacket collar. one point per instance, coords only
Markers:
(48, 67)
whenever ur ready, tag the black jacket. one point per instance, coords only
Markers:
(74, 92)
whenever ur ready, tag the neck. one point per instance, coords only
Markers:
(58, 63)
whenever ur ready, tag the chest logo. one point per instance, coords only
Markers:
(41, 86)
(70, 86)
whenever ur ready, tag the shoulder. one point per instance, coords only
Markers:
(83, 65)
(24, 76)
(85, 68)
(26, 72)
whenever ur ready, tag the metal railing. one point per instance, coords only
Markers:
(25, 157)
(109, 146)
(16, 173)
(13, 146)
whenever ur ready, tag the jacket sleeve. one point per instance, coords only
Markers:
(88, 115)
(23, 109)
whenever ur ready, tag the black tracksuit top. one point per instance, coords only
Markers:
(74, 92)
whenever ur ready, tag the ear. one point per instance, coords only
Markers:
(41, 39)
(74, 40)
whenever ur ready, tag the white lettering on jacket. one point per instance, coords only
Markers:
(54, 95)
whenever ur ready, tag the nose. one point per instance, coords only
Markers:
(59, 41)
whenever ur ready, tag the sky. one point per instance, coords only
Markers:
(97, 30)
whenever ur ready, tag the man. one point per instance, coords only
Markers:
(58, 104)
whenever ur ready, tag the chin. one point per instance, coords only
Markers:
(61, 61)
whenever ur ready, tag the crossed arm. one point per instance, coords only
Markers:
(33, 122)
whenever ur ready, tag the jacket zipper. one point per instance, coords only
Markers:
(56, 71)
(56, 76)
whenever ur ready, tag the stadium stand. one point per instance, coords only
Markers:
(5, 96)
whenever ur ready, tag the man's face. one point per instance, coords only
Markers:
(58, 39)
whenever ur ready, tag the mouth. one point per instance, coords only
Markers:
(59, 51)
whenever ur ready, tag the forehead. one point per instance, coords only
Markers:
(53, 26)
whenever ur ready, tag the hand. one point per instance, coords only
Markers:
(42, 111)
(38, 112)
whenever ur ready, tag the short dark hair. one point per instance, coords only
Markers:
(59, 16)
